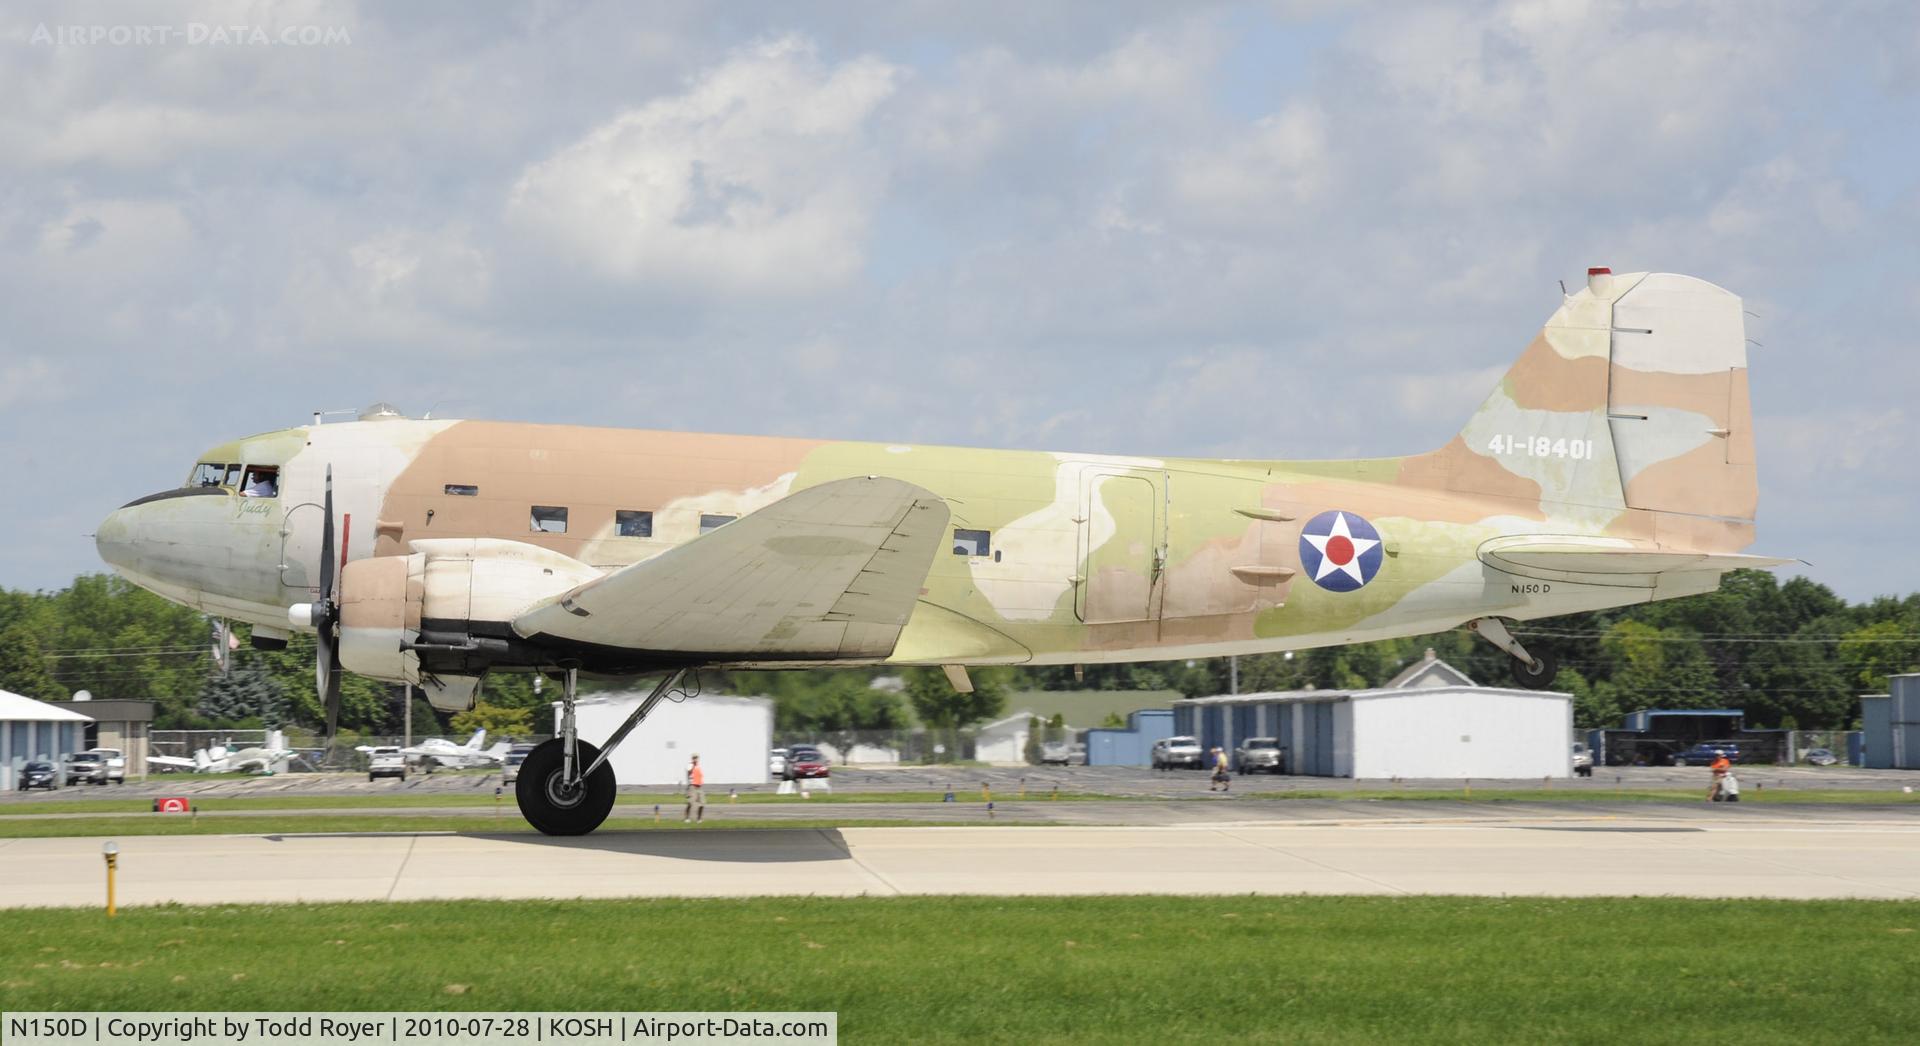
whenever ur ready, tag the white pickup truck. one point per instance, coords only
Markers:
(116, 761)
(386, 761)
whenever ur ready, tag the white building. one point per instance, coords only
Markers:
(1003, 740)
(1422, 731)
(732, 736)
(32, 729)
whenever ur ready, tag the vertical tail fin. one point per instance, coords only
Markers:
(1633, 396)
(479, 738)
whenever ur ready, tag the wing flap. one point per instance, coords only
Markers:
(832, 571)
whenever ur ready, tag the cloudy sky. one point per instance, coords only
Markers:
(1284, 230)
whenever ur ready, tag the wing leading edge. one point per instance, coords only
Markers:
(830, 572)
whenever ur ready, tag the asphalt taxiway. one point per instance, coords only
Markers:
(1532, 855)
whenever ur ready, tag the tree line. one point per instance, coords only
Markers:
(1790, 653)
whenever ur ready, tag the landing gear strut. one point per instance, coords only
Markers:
(566, 786)
(1533, 670)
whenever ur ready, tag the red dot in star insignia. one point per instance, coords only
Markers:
(1340, 550)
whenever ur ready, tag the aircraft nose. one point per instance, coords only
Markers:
(114, 540)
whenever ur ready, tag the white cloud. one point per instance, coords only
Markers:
(759, 178)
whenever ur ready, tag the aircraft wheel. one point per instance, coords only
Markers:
(1539, 675)
(555, 809)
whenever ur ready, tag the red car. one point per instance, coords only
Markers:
(803, 761)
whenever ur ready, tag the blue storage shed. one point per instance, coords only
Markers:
(1132, 746)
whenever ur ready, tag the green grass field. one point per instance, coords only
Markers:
(1086, 970)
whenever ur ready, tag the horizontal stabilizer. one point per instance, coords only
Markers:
(832, 571)
(1603, 561)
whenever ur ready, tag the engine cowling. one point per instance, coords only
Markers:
(439, 618)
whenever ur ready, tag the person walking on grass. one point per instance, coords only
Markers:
(696, 793)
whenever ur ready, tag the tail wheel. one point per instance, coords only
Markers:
(1538, 675)
(552, 807)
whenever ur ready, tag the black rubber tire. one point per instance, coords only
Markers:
(552, 810)
(1539, 675)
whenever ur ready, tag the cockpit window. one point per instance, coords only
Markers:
(213, 474)
(262, 482)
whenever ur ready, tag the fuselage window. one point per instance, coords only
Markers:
(463, 490)
(629, 523)
(972, 542)
(549, 519)
(709, 523)
(261, 482)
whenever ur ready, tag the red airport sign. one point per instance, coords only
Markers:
(172, 804)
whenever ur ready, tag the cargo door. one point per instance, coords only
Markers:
(1122, 547)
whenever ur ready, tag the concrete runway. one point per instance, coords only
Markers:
(1702, 857)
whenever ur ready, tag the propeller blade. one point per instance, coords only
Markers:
(329, 682)
(326, 666)
(326, 541)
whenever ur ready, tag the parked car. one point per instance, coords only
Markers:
(1259, 755)
(509, 766)
(1055, 753)
(1582, 759)
(84, 766)
(386, 761)
(1169, 752)
(777, 764)
(1820, 757)
(805, 761)
(116, 763)
(39, 773)
(1704, 753)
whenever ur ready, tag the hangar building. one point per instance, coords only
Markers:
(1890, 725)
(1431, 728)
(732, 735)
(32, 729)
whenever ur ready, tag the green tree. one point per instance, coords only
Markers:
(1874, 652)
(496, 720)
(246, 694)
(946, 710)
(23, 666)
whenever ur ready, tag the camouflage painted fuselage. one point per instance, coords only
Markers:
(1626, 420)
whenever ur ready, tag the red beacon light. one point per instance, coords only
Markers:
(1600, 281)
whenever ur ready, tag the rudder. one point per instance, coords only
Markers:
(1633, 395)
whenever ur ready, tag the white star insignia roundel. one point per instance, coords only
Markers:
(1341, 551)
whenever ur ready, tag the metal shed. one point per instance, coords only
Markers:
(1431, 732)
(1890, 723)
(1112, 746)
(32, 729)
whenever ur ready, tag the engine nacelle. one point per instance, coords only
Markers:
(439, 618)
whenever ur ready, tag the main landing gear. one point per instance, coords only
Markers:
(1532, 669)
(566, 785)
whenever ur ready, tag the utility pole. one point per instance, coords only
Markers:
(1233, 673)
(406, 716)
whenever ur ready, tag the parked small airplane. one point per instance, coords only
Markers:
(1613, 464)
(446, 753)
(220, 759)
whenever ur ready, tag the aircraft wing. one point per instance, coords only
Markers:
(1609, 560)
(831, 571)
(173, 761)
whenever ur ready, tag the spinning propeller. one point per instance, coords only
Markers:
(326, 614)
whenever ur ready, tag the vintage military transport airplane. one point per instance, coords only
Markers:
(1613, 465)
